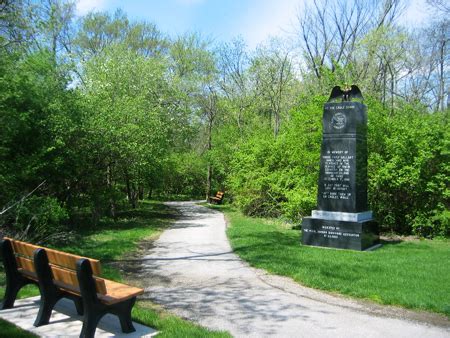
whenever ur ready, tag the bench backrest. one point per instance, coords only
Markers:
(62, 264)
(220, 194)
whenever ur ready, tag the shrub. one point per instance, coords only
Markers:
(277, 176)
(39, 220)
(409, 170)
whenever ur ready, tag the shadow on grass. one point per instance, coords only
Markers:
(155, 215)
(111, 239)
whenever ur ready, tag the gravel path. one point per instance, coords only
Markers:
(192, 272)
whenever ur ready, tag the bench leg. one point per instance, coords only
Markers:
(13, 286)
(93, 314)
(79, 305)
(124, 314)
(48, 302)
(11, 292)
(90, 323)
(46, 306)
(14, 280)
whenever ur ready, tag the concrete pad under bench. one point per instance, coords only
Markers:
(65, 322)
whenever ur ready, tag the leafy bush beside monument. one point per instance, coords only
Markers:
(408, 168)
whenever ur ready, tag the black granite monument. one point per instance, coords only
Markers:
(342, 219)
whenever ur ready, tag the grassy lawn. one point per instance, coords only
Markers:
(414, 274)
(110, 242)
(10, 330)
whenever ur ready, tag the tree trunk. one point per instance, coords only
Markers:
(150, 193)
(208, 181)
(277, 123)
(112, 203)
(209, 169)
(141, 192)
(131, 191)
(440, 105)
(448, 98)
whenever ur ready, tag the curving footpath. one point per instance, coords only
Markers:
(192, 272)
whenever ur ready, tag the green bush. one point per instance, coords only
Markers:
(183, 174)
(408, 168)
(40, 220)
(277, 176)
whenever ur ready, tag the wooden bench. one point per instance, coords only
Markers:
(216, 199)
(64, 275)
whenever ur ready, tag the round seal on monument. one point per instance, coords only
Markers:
(338, 121)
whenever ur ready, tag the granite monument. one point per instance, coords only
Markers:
(342, 219)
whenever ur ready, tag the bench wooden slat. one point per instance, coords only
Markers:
(28, 274)
(64, 276)
(112, 292)
(22, 248)
(69, 278)
(25, 263)
(67, 260)
(118, 292)
(217, 199)
(55, 257)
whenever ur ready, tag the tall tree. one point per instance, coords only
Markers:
(128, 118)
(234, 80)
(439, 37)
(274, 80)
(194, 71)
(100, 29)
(329, 32)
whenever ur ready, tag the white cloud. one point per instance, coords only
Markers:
(85, 6)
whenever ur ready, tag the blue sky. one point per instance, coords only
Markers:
(221, 20)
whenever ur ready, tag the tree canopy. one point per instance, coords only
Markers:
(101, 111)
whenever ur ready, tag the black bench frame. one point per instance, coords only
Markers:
(50, 293)
(94, 309)
(87, 303)
(14, 279)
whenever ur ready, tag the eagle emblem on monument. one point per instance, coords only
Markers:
(346, 94)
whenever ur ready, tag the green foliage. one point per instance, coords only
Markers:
(110, 111)
(249, 178)
(40, 120)
(126, 96)
(99, 30)
(9, 330)
(31, 99)
(409, 170)
(40, 219)
(278, 176)
(183, 174)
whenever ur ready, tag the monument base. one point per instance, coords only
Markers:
(354, 235)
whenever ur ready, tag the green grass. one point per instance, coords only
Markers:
(112, 241)
(413, 274)
(10, 330)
